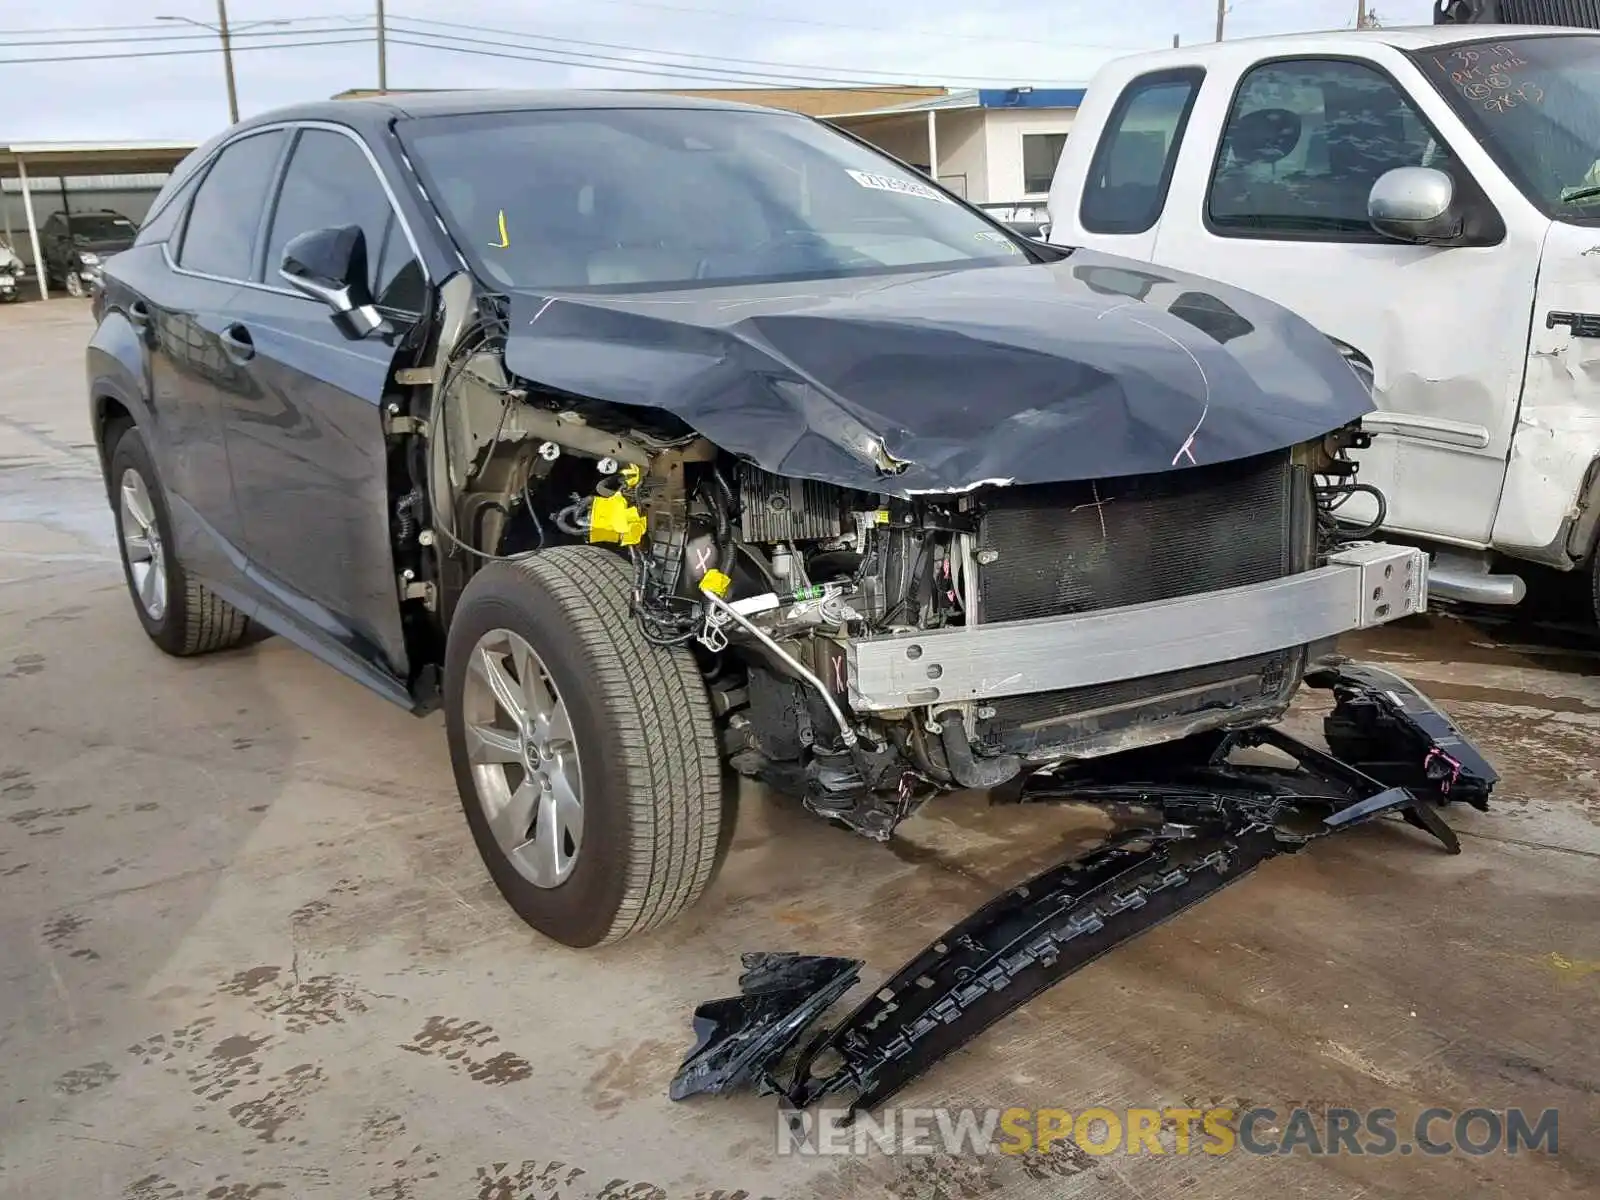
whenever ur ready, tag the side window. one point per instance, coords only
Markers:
(1039, 154)
(330, 182)
(162, 221)
(220, 237)
(1132, 165)
(1304, 143)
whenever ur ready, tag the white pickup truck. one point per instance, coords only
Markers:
(1428, 197)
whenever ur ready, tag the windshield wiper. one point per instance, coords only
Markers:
(1574, 195)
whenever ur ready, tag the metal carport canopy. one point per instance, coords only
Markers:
(66, 159)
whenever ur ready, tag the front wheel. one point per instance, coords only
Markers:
(586, 758)
(75, 287)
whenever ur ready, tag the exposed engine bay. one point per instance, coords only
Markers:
(830, 620)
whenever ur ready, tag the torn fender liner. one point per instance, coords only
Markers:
(1088, 368)
(738, 1037)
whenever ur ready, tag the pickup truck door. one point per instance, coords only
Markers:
(1270, 194)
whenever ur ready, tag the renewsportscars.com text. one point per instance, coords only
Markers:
(1175, 1131)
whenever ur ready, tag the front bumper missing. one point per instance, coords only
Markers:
(1363, 585)
(1213, 821)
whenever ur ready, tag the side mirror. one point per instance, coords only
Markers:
(1415, 204)
(330, 265)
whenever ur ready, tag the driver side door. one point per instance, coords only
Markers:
(306, 441)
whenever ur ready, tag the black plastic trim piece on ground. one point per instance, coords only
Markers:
(738, 1037)
(1216, 821)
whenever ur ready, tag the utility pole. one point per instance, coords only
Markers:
(227, 61)
(1222, 13)
(224, 31)
(383, 54)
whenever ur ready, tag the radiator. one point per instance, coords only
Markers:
(1068, 548)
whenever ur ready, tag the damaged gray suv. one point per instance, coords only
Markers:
(663, 441)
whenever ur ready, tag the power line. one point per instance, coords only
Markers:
(689, 71)
(28, 62)
(152, 25)
(814, 70)
(704, 76)
(182, 37)
(895, 29)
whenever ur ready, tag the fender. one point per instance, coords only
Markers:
(117, 363)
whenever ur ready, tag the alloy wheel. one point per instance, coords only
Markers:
(524, 758)
(75, 286)
(141, 545)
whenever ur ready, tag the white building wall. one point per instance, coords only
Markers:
(963, 154)
(1003, 130)
(904, 137)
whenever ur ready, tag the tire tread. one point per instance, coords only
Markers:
(198, 621)
(665, 737)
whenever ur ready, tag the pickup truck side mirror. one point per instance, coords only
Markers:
(1415, 204)
(330, 265)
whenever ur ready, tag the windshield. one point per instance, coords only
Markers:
(1534, 103)
(97, 228)
(626, 199)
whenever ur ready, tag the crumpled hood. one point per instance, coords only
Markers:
(1088, 368)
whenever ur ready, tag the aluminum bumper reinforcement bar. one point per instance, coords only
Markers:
(1364, 584)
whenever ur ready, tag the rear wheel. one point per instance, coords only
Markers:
(179, 615)
(586, 758)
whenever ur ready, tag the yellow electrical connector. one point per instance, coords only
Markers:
(632, 475)
(715, 582)
(614, 519)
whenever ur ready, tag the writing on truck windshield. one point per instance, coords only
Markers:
(622, 199)
(1534, 103)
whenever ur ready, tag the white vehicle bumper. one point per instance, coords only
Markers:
(1364, 584)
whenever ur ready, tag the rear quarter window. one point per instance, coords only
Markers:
(1132, 166)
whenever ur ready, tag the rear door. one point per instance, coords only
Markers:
(1280, 208)
(306, 441)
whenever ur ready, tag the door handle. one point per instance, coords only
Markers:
(139, 313)
(236, 343)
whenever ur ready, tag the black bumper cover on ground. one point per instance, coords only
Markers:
(1211, 821)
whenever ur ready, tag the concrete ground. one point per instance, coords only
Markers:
(247, 949)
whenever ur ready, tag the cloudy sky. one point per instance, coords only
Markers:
(176, 90)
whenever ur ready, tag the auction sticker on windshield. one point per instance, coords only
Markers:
(888, 183)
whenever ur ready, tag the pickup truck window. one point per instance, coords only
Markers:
(1534, 104)
(1305, 141)
(1132, 166)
